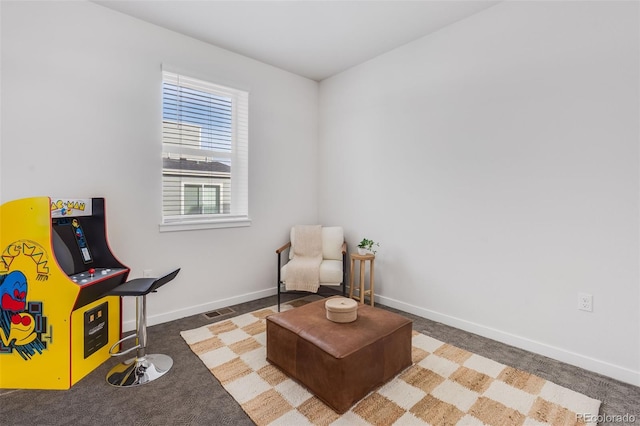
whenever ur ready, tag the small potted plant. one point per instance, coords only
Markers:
(366, 246)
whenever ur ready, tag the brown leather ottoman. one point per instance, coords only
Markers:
(339, 362)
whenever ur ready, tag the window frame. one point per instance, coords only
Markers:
(238, 215)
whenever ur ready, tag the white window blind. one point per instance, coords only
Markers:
(204, 154)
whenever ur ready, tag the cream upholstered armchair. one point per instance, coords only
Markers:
(317, 256)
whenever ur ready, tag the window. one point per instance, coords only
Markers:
(201, 199)
(204, 154)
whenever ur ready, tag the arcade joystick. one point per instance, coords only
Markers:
(91, 272)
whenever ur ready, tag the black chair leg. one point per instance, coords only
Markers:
(278, 297)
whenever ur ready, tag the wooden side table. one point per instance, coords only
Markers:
(363, 258)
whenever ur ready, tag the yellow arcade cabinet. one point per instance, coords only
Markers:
(55, 266)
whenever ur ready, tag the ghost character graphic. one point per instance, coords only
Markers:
(13, 291)
(17, 328)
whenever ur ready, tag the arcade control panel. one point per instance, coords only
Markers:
(94, 275)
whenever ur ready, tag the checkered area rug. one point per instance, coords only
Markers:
(444, 386)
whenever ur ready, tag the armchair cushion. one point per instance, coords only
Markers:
(332, 239)
(330, 272)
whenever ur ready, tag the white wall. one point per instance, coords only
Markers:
(81, 117)
(497, 163)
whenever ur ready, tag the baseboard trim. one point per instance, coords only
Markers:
(598, 366)
(595, 365)
(199, 309)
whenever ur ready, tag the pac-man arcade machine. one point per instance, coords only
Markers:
(55, 266)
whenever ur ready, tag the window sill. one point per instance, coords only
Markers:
(205, 224)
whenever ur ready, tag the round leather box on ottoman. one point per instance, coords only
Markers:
(341, 309)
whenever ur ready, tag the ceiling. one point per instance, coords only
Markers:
(314, 39)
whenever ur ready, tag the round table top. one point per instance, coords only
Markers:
(362, 256)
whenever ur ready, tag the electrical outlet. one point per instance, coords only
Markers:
(147, 273)
(585, 302)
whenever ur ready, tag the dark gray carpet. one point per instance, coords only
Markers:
(190, 395)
